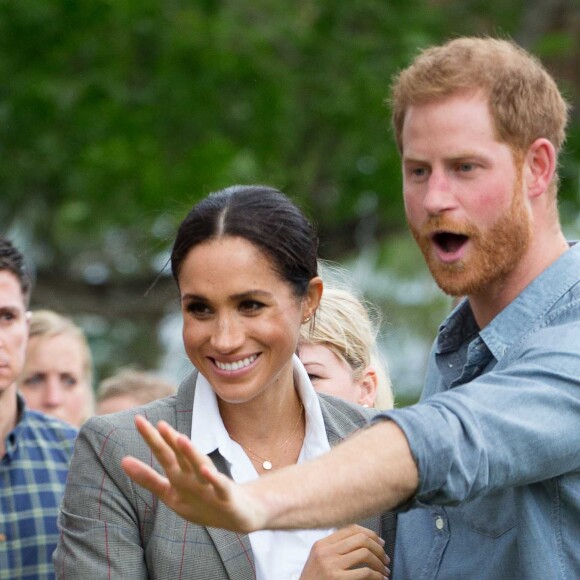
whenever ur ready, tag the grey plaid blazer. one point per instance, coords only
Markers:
(114, 529)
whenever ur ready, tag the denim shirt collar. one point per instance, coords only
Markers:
(519, 317)
(533, 303)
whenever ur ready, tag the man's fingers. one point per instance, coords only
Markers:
(203, 468)
(194, 459)
(145, 476)
(162, 451)
(177, 456)
(171, 436)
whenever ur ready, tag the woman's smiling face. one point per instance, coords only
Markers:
(241, 320)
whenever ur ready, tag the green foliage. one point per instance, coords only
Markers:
(116, 115)
(117, 112)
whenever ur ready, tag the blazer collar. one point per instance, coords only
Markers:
(184, 405)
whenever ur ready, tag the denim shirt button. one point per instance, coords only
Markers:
(439, 523)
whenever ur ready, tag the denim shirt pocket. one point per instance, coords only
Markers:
(491, 515)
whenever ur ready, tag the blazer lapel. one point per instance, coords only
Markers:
(234, 549)
(184, 404)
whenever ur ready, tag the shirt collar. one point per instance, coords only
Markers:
(207, 428)
(11, 439)
(533, 303)
(315, 439)
(208, 432)
(459, 327)
(518, 317)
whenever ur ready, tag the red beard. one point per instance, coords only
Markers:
(493, 253)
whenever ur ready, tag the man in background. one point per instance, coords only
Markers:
(34, 449)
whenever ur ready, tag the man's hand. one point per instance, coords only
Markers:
(192, 486)
(353, 552)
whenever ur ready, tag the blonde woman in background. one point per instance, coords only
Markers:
(339, 351)
(57, 375)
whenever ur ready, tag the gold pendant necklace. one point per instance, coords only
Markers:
(267, 463)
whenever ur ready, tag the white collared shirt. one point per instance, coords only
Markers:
(279, 555)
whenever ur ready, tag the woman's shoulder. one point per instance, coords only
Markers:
(157, 410)
(342, 415)
(118, 429)
(346, 406)
(175, 409)
(108, 438)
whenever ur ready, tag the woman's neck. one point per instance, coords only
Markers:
(264, 418)
(270, 432)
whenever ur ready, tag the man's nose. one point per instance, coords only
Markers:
(439, 196)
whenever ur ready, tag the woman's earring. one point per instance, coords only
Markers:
(307, 319)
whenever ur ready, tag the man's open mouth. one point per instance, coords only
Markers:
(449, 242)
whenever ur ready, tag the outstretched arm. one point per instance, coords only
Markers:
(371, 472)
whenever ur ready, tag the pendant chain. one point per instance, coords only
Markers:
(267, 463)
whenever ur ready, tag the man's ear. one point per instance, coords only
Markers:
(368, 384)
(539, 167)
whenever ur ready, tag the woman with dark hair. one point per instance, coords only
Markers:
(245, 264)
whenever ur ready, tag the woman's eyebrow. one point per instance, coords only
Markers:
(240, 296)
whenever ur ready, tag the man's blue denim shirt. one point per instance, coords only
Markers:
(496, 438)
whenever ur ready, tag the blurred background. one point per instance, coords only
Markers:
(117, 115)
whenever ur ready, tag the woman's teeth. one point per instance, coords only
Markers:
(234, 366)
